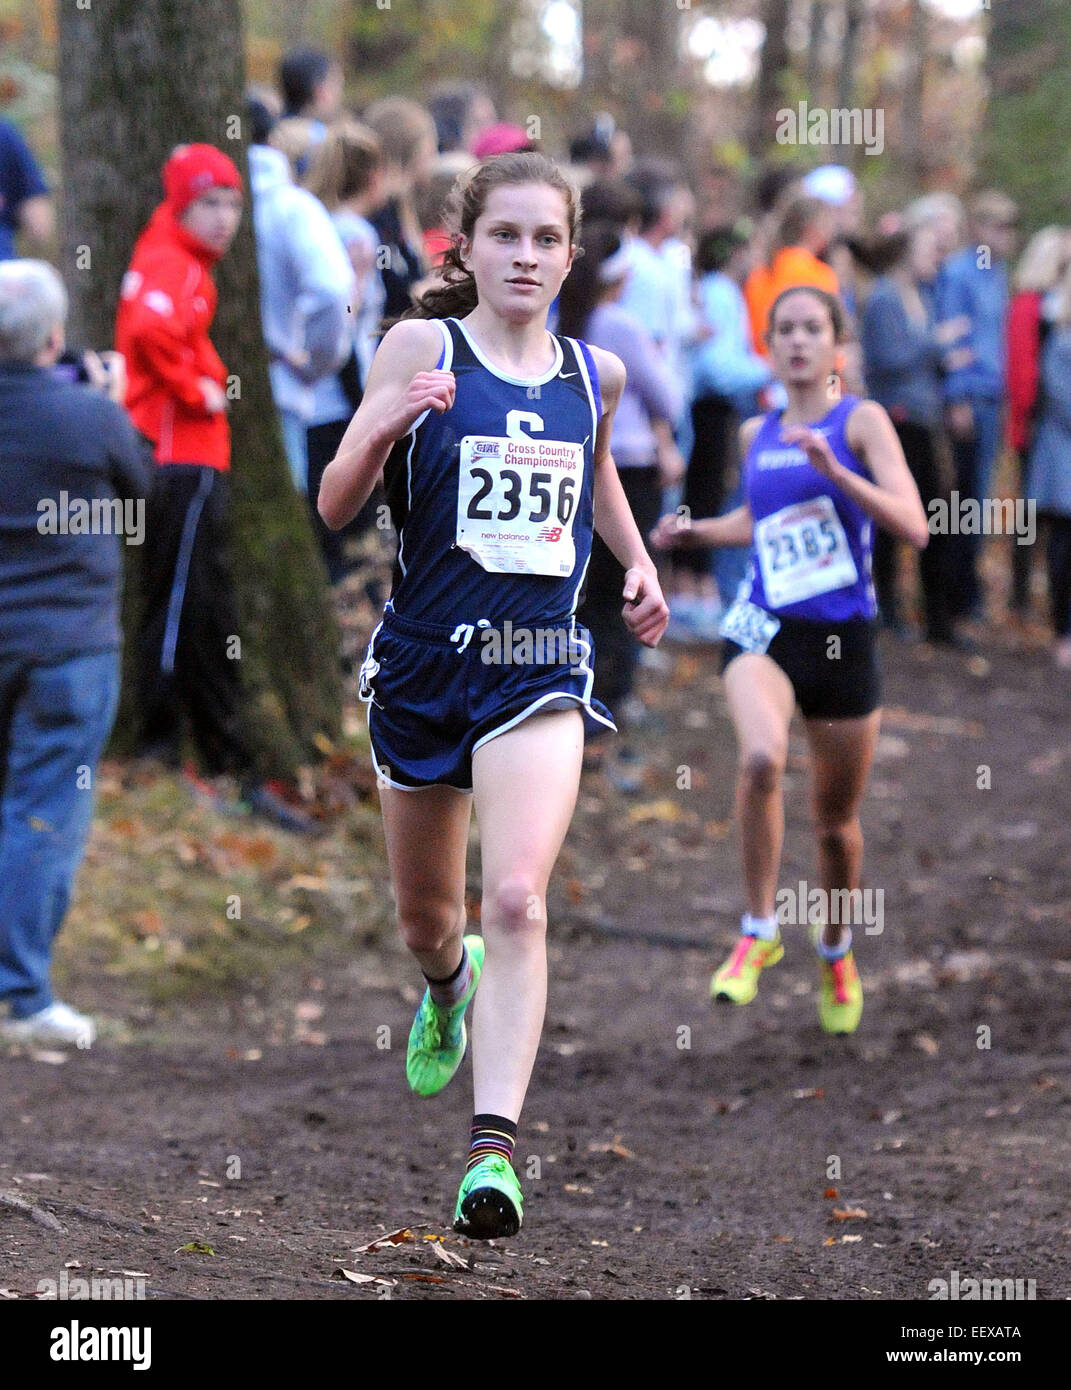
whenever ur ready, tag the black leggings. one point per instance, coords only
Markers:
(323, 442)
(1059, 558)
(714, 430)
(920, 446)
(616, 650)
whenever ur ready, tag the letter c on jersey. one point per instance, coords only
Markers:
(516, 418)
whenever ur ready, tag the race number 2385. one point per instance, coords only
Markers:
(517, 501)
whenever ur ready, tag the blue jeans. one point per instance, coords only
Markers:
(975, 461)
(295, 442)
(54, 722)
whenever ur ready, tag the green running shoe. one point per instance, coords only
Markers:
(840, 1001)
(438, 1037)
(489, 1202)
(738, 979)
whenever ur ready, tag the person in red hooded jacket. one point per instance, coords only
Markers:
(176, 397)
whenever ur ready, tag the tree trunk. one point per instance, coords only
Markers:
(914, 92)
(815, 33)
(136, 78)
(853, 18)
(769, 95)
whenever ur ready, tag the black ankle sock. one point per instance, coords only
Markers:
(491, 1134)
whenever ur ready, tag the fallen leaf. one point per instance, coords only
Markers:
(926, 1044)
(308, 1011)
(196, 1247)
(664, 810)
(355, 1278)
(830, 1240)
(848, 1214)
(808, 1093)
(831, 1192)
(449, 1258)
(397, 1237)
(54, 1059)
(850, 1240)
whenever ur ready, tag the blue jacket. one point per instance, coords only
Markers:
(1049, 474)
(724, 364)
(962, 287)
(59, 589)
(901, 358)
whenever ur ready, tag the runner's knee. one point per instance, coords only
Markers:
(837, 835)
(761, 767)
(516, 904)
(426, 926)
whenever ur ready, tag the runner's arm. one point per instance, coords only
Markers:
(734, 528)
(402, 383)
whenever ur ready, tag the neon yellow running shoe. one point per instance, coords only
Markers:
(840, 1001)
(489, 1202)
(738, 979)
(438, 1037)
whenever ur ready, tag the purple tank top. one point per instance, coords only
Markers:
(811, 552)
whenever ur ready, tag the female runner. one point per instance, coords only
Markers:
(816, 475)
(494, 438)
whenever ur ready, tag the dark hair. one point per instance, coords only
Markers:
(798, 216)
(300, 73)
(772, 183)
(589, 148)
(261, 120)
(450, 108)
(655, 185)
(611, 200)
(467, 201)
(583, 289)
(715, 248)
(883, 253)
(832, 303)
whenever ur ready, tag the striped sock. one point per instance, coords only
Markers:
(446, 993)
(491, 1134)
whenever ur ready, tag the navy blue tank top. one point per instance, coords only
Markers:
(505, 474)
(811, 552)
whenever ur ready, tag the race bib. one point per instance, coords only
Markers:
(516, 501)
(803, 551)
(749, 626)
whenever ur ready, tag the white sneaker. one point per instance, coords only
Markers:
(59, 1023)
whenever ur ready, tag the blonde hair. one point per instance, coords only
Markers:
(295, 136)
(343, 163)
(1043, 260)
(401, 126)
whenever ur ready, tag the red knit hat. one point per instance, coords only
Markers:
(192, 170)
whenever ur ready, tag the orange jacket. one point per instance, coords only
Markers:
(167, 303)
(792, 265)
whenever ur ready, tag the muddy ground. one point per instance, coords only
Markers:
(669, 1148)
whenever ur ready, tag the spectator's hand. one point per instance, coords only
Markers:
(646, 612)
(115, 366)
(949, 330)
(671, 465)
(672, 532)
(297, 358)
(959, 420)
(215, 398)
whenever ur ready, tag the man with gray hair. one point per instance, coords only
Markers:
(71, 469)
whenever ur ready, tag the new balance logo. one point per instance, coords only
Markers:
(549, 533)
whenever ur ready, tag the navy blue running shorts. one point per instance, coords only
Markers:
(435, 694)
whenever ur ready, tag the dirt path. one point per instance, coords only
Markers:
(681, 1150)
